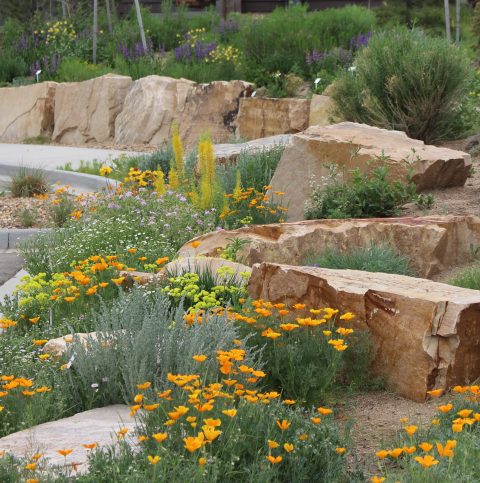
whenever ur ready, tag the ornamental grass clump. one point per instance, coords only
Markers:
(407, 81)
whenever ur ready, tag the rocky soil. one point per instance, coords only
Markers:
(11, 207)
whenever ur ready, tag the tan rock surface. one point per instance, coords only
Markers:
(351, 145)
(151, 106)
(26, 111)
(262, 117)
(426, 334)
(433, 243)
(229, 153)
(94, 426)
(57, 347)
(86, 111)
(154, 103)
(321, 108)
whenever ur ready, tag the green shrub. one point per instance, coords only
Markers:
(365, 196)
(11, 66)
(376, 258)
(256, 169)
(28, 217)
(143, 338)
(75, 70)
(29, 182)
(407, 81)
(279, 41)
(60, 212)
(469, 278)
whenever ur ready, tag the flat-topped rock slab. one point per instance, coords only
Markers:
(425, 334)
(94, 426)
(433, 243)
(350, 145)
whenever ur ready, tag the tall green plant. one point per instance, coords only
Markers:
(407, 81)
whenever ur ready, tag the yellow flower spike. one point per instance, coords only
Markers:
(411, 430)
(153, 460)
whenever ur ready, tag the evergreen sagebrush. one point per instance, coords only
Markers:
(407, 81)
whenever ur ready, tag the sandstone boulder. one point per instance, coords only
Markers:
(433, 243)
(26, 111)
(229, 153)
(350, 145)
(321, 108)
(154, 103)
(94, 426)
(262, 117)
(57, 347)
(151, 106)
(426, 335)
(86, 111)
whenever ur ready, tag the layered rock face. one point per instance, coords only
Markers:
(349, 145)
(321, 110)
(433, 243)
(154, 103)
(426, 335)
(26, 111)
(86, 111)
(262, 117)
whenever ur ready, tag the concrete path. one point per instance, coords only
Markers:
(10, 263)
(53, 157)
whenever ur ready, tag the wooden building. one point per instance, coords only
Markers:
(245, 6)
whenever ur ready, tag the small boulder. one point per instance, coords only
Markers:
(350, 145)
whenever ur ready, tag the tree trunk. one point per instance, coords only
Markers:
(457, 22)
(109, 16)
(447, 20)
(95, 30)
(140, 25)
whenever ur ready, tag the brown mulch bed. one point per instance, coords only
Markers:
(10, 208)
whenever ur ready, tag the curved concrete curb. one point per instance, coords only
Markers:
(10, 238)
(80, 181)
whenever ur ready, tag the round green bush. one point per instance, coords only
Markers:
(407, 81)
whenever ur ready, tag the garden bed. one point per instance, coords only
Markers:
(11, 212)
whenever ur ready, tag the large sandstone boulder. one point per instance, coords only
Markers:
(151, 106)
(350, 145)
(433, 243)
(94, 426)
(426, 335)
(261, 117)
(86, 111)
(154, 103)
(26, 111)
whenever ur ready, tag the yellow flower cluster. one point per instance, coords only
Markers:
(223, 53)
(137, 178)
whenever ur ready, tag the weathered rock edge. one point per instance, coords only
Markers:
(426, 335)
(433, 243)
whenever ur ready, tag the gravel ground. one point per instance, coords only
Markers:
(11, 207)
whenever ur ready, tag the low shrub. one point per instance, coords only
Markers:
(407, 81)
(75, 70)
(11, 66)
(29, 182)
(365, 196)
(375, 258)
(469, 278)
(28, 217)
